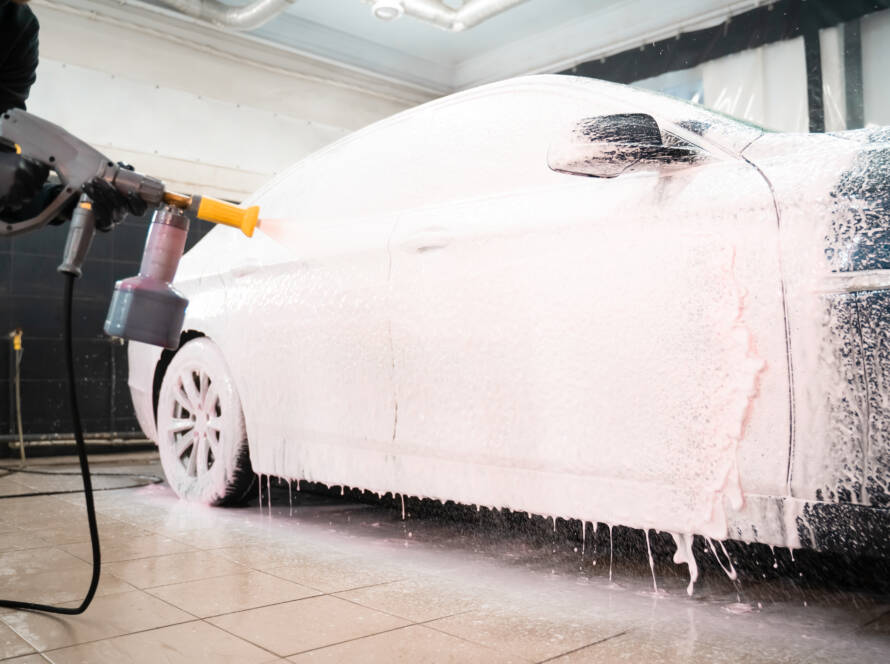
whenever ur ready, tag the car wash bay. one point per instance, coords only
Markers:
(305, 572)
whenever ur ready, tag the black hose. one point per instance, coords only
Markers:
(34, 494)
(148, 479)
(84, 471)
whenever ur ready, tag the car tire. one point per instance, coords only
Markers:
(202, 439)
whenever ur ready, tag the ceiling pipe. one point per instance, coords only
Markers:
(236, 17)
(469, 14)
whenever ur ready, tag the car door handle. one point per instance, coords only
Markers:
(428, 240)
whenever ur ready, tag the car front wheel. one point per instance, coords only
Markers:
(201, 435)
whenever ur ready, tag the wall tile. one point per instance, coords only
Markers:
(31, 292)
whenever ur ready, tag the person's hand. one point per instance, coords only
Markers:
(111, 206)
(20, 180)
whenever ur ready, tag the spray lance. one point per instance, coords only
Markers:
(144, 308)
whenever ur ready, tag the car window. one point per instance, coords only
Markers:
(671, 140)
(720, 131)
(498, 142)
(484, 142)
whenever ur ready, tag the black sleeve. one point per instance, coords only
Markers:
(18, 54)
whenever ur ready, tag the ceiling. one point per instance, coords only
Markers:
(410, 49)
(536, 36)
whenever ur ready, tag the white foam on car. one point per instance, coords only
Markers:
(606, 350)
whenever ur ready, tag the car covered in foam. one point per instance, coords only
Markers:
(554, 295)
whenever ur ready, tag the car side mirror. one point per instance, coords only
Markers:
(607, 146)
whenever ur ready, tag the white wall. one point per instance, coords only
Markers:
(831, 46)
(876, 67)
(765, 85)
(200, 117)
(187, 139)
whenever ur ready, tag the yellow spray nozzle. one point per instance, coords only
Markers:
(220, 212)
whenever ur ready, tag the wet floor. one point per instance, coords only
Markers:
(310, 576)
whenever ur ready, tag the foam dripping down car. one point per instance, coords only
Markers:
(553, 295)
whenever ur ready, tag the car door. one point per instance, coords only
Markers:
(607, 349)
(307, 326)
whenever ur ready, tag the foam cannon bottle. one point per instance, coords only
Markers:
(147, 307)
(144, 308)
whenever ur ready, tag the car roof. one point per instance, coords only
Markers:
(690, 121)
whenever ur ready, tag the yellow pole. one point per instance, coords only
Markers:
(17, 347)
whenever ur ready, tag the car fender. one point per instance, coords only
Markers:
(143, 360)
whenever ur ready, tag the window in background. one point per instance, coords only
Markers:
(765, 85)
(686, 84)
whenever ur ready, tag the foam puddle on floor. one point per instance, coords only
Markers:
(684, 554)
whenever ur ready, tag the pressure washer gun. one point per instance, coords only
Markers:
(146, 307)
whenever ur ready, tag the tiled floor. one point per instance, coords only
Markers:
(338, 581)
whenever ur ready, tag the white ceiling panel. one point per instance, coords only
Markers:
(534, 36)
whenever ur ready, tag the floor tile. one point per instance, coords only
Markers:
(722, 636)
(186, 643)
(267, 556)
(771, 634)
(878, 625)
(6, 527)
(21, 539)
(9, 487)
(868, 649)
(337, 575)
(58, 586)
(129, 548)
(27, 659)
(646, 646)
(17, 563)
(207, 538)
(173, 568)
(407, 646)
(288, 629)
(79, 532)
(108, 616)
(70, 517)
(26, 511)
(227, 594)
(416, 599)
(529, 636)
(11, 644)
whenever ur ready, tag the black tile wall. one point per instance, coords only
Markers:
(5, 273)
(6, 406)
(31, 298)
(5, 362)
